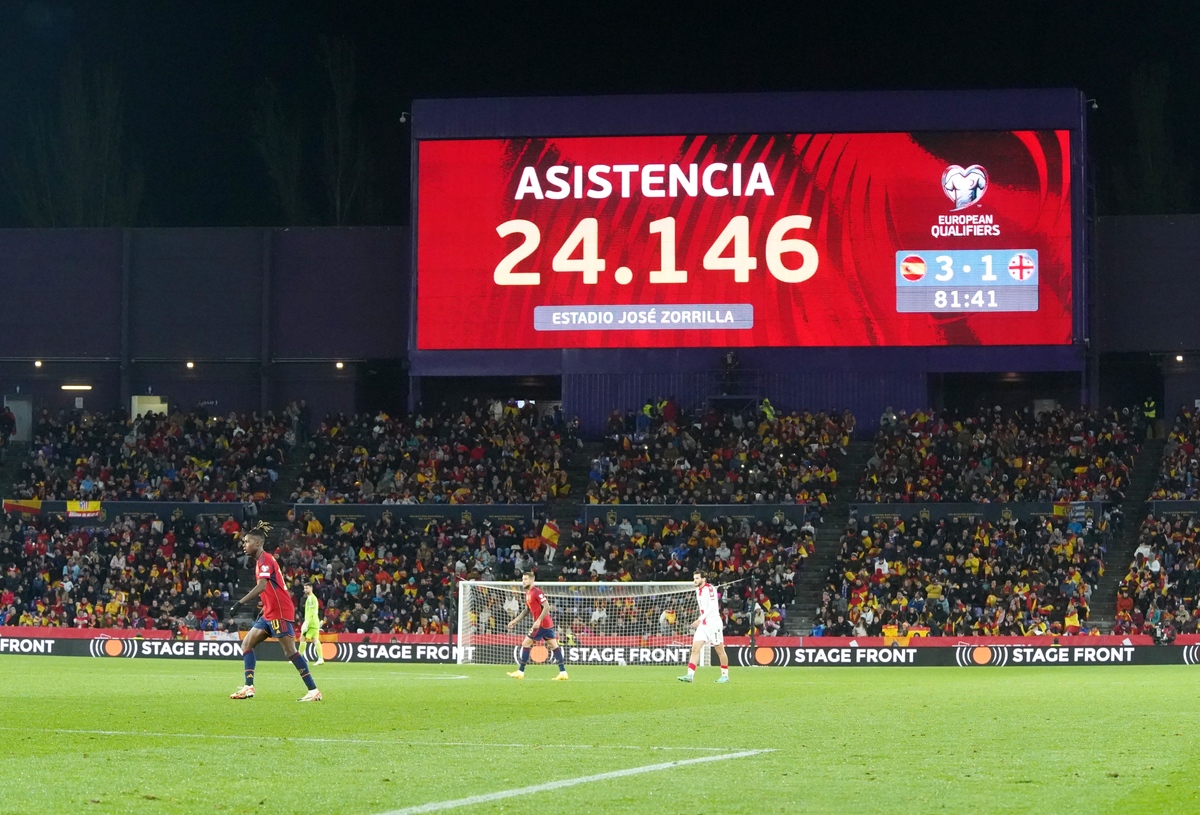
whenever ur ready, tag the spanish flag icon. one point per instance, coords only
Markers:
(912, 268)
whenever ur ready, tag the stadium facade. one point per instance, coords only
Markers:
(264, 315)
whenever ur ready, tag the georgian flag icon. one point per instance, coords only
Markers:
(1021, 267)
(912, 268)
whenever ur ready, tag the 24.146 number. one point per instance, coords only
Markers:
(585, 240)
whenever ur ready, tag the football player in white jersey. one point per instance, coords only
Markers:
(710, 628)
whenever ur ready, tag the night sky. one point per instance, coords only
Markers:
(189, 72)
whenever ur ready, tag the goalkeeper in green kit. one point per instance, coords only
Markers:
(311, 630)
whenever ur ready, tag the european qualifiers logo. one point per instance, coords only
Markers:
(964, 187)
(971, 656)
(1191, 655)
(111, 647)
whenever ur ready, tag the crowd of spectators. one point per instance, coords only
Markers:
(999, 456)
(392, 575)
(81, 456)
(479, 452)
(1158, 595)
(756, 563)
(134, 572)
(662, 454)
(1179, 477)
(396, 575)
(965, 577)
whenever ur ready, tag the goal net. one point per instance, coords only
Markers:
(596, 623)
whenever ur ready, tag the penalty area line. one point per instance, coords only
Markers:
(438, 806)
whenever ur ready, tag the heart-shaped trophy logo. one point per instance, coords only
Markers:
(964, 186)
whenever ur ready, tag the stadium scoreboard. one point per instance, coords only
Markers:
(756, 239)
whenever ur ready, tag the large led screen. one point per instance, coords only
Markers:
(864, 239)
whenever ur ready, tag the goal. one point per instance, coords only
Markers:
(618, 623)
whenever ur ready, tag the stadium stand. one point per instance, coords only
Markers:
(995, 455)
(1179, 477)
(482, 452)
(1158, 593)
(664, 455)
(393, 576)
(390, 575)
(962, 577)
(133, 572)
(182, 457)
(756, 561)
(396, 575)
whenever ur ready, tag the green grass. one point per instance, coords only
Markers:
(1045, 740)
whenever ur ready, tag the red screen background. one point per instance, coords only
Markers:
(869, 195)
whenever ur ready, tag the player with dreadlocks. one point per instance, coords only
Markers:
(277, 615)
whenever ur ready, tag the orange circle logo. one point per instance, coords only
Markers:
(539, 653)
(328, 650)
(113, 648)
(981, 655)
(764, 656)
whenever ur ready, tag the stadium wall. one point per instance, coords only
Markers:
(263, 314)
(1147, 298)
(344, 294)
(61, 294)
(1147, 295)
(862, 380)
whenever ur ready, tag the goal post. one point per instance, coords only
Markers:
(614, 623)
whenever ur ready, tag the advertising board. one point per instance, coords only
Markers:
(959, 238)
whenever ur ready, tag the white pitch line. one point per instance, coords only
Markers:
(398, 741)
(438, 806)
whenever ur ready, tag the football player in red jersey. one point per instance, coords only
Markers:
(277, 615)
(542, 629)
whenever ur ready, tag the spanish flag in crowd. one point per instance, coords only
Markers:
(83, 509)
(550, 534)
(29, 506)
(1061, 509)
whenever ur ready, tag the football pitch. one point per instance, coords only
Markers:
(160, 736)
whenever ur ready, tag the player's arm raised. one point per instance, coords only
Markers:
(258, 589)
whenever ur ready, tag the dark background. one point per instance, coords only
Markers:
(188, 74)
(266, 311)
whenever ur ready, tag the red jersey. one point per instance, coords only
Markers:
(535, 601)
(276, 600)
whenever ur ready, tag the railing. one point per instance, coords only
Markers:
(496, 513)
(1020, 511)
(84, 512)
(612, 513)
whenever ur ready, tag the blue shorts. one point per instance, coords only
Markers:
(275, 628)
(543, 634)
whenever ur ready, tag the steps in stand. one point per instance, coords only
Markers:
(275, 509)
(1120, 554)
(800, 615)
(579, 464)
(10, 471)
